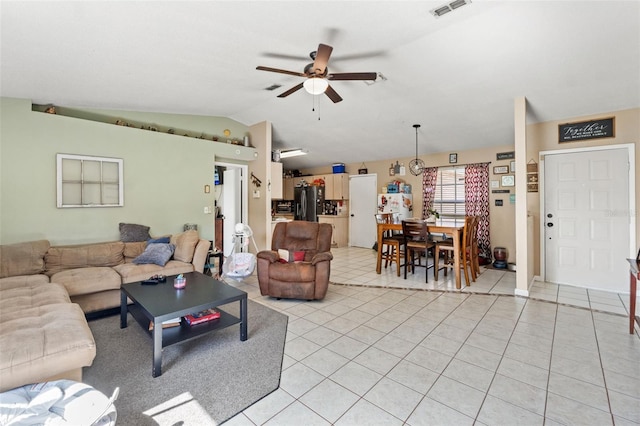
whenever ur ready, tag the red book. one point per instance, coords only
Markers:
(202, 316)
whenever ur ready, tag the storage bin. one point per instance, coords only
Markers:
(338, 168)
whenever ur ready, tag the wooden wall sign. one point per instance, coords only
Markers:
(593, 129)
(506, 155)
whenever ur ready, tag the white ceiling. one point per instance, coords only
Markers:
(457, 75)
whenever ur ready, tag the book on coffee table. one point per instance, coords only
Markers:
(174, 322)
(202, 316)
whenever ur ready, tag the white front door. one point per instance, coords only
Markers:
(587, 219)
(362, 209)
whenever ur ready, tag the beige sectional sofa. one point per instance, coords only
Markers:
(47, 291)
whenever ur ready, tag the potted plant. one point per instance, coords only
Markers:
(432, 215)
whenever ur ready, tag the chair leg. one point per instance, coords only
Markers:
(397, 253)
(406, 261)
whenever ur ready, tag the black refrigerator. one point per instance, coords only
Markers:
(308, 202)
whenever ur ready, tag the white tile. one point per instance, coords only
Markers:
(495, 411)
(456, 395)
(297, 414)
(329, 399)
(298, 379)
(325, 361)
(413, 376)
(393, 398)
(432, 413)
(356, 378)
(365, 413)
(268, 406)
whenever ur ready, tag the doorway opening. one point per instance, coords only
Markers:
(231, 201)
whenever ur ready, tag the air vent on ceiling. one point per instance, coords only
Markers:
(448, 7)
(273, 87)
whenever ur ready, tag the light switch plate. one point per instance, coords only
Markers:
(256, 193)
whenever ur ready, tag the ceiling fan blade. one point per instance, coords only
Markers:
(290, 91)
(352, 76)
(298, 74)
(333, 95)
(322, 58)
(285, 56)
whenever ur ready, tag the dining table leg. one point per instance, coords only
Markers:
(379, 244)
(456, 257)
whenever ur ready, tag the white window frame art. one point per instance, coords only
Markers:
(89, 181)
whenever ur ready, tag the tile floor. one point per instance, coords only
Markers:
(372, 354)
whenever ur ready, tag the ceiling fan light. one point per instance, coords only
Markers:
(315, 85)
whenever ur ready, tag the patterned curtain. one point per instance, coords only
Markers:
(476, 183)
(429, 179)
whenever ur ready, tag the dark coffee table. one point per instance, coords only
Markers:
(162, 302)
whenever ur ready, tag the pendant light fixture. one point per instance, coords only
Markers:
(416, 166)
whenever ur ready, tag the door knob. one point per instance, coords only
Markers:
(549, 224)
(351, 215)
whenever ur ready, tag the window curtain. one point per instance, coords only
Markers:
(429, 179)
(476, 183)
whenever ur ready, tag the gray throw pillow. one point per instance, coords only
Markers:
(131, 233)
(158, 254)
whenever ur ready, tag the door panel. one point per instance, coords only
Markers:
(586, 228)
(362, 210)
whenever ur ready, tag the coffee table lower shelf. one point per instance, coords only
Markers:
(184, 332)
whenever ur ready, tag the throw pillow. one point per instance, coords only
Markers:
(283, 256)
(185, 243)
(130, 232)
(161, 240)
(157, 254)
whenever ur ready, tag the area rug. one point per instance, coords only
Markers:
(204, 381)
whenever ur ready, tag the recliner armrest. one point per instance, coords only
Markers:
(322, 257)
(270, 255)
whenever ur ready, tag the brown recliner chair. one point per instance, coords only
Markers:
(307, 279)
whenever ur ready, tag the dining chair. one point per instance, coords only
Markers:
(475, 257)
(465, 253)
(391, 243)
(416, 239)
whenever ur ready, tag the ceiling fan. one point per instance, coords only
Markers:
(317, 74)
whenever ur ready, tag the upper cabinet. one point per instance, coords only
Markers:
(336, 185)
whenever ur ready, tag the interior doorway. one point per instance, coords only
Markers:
(587, 221)
(363, 203)
(231, 199)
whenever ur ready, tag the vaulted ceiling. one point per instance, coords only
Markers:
(456, 75)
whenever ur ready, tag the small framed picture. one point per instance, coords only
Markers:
(500, 170)
(453, 158)
(512, 167)
(508, 180)
(495, 184)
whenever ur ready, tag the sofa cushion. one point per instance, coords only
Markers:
(83, 256)
(130, 272)
(185, 243)
(131, 232)
(18, 294)
(23, 258)
(160, 240)
(133, 250)
(158, 254)
(42, 342)
(87, 280)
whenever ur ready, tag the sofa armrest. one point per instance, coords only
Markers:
(200, 255)
(322, 257)
(270, 255)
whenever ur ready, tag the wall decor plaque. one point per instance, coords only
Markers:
(506, 155)
(584, 130)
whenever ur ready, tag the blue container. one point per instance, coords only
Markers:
(338, 168)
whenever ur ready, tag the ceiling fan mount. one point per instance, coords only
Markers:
(318, 69)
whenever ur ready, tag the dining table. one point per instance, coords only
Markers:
(455, 231)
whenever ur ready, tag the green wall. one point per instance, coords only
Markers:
(164, 174)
